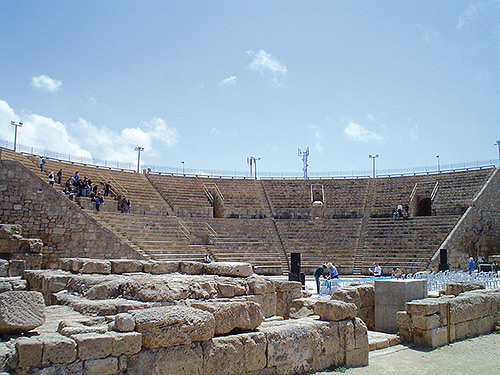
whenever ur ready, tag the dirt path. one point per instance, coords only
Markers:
(480, 355)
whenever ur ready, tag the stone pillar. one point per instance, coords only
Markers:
(391, 296)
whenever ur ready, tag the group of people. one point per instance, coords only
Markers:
(401, 212)
(125, 205)
(82, 187)
(328, 271)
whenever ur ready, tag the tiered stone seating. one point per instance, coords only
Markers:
(321, 241)
(343, 198)
(184, 194)
(160, 237)
(407, 244)
(250, 240)
(455, 191)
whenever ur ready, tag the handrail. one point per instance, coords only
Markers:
(211, 231)
(184, 230)
(434, 191)
(115, 191)
(413, 192)
(213, 185)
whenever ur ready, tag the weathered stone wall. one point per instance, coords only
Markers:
(484, 208)
(65, 230)
(434, 322)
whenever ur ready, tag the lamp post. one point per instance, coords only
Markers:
(498, 144)
(19, 124)
(439, 166)
(139, 149)
(373, 157)
(253, 160)
(182, 162)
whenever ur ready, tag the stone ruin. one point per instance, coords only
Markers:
(164, 317)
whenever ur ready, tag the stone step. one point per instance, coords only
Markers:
(380, 340)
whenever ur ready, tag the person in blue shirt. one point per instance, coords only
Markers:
(472, 266)
(332, 271)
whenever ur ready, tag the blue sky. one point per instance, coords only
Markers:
(212, 83)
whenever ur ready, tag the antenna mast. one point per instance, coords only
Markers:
(304, 155)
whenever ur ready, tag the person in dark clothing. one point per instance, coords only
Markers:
(318, 273)
(59, 177)
(106, 189)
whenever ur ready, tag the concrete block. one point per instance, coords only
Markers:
(391, 296)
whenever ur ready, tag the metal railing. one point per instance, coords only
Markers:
(129, 166)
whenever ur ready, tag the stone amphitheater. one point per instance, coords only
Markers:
(87, 292)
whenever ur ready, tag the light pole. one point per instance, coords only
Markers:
(139, 149)
(498, 144)
(439, 166)
(19, 124)
(253, 160)
(182, 162)
(373, 157)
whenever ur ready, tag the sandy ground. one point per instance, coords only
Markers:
(479, 355)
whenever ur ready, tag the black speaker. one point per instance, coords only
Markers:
(295, 263)
(443, 257)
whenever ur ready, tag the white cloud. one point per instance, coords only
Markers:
(230, 81)
(264, 63)
(215, 131)
(84, 139)
(473, 12)
(317, 137)
(360, 133)
(45, 83)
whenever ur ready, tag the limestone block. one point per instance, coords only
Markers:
(126, 266)
(104, 366)
(127, 343)
(403, 319)
(426, 306)
(472, 328)
(334, 310)
(29, 351)
(233, 269)
(302, 307)
(431, 338)
(167, 326)
(16, 267)
(360, 334)
(57, 349)
(235, 354)
(180, 359)
(232, 315)
(292, 344)
(9, 230)
(93, 345)
(347, 338)
(260, 285)
(229, 287)
(124, 322)
(367, 315)
(161, 267)
(348, 294)
(467, 307)
(288, 286)
(267, 302)
(5, 353)
(69, 331)
(100, 266)
(457, 287)
(426, 322)
(122, 363)
(5, 286)
(366, 295)
(286, 292)
(356, 357)
(192, 268)
(4, 268)
(66, 264)
(21, 311)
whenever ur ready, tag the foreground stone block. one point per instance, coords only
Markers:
(455, 288)
(21, 311)
(161, 267)
(93, 345)
(233, 269)
(96, 266)
(235, 354)
(180, 359)
(126, 343)
(302, 307)
(163, 327)
(334, 310)
(232, 315)
(57, 349)
(126, 266)
(124, 322)
(104, 366)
